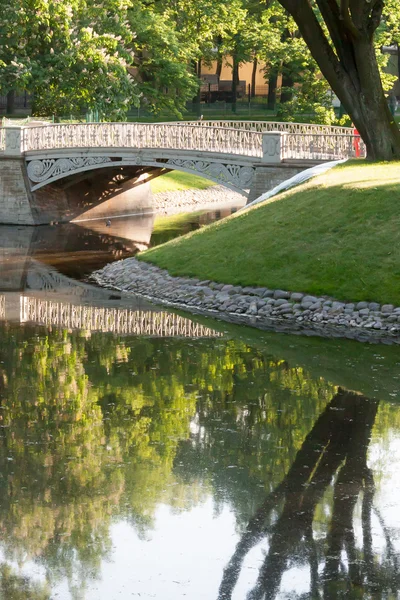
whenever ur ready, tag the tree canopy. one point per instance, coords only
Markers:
(78, 55)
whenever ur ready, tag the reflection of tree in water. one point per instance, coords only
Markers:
(334, 450)
(93, 428)
(17, 587)
(96, 428)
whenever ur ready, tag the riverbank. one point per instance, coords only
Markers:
(172, 202)
(268, 309)
(337, 235)
(321, 259)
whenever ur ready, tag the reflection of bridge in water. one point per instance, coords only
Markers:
(37, 293)
(2, 308)
(114, 320)
(123, 321)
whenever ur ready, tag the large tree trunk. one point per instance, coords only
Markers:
(253, 77)
(287, 85)
(272, 85)
(197, 98)
(218, 69)
(235, 81)
(349, 64)
(10, 108)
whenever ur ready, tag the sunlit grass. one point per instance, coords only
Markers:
(175, 181)
(338, 234)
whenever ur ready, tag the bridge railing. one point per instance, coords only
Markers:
(267, 147)
(2, 139)
(115, 320)
(272, 126)
(322, 147)
(143, 135)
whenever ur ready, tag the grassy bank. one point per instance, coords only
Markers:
(338, 234)
(176, 181)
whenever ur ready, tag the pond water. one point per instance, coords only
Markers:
(146, 454)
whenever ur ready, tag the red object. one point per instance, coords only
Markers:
(356, 142)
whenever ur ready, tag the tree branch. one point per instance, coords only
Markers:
(376, 16)
(347, 20)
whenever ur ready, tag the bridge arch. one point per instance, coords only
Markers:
(234, 174)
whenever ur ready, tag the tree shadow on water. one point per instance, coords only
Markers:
(334, 453)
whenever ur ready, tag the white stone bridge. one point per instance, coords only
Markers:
(57, 172)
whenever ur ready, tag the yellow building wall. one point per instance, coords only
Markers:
(245, 71)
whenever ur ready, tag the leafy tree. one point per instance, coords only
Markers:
(72, 56)
(161, 58)
(341, 37)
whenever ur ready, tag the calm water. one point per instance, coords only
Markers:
(147, 455)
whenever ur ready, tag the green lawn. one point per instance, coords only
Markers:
(175, 181)
(338, 234)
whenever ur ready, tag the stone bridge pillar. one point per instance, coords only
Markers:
(15, 206)
(272, 171)
(13, 141)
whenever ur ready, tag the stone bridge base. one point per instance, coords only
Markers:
(15, 200)
(93, 195)
(266, 178)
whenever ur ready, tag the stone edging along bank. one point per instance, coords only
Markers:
(278, 310)
(181, 200)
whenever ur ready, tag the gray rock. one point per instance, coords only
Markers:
(364, 311)
(284, 310)
(296, 296)
(306, 304)
(387, 308)
(252, 310)
(227, 288)
(221, 297)
(268, 294)
(259, 292)
(362, 305)
(236, 289)
(311, 299)
(337, 306)
(281, 294)
(392, 318)
(316, 305)
(374, 306)
(280, 302)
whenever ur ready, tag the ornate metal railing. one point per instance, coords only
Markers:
(322, 147)
(265, 126)
(143, 135)
(315, 142)
(115, 320)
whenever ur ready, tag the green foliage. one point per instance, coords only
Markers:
(161, 58)
(72, 57)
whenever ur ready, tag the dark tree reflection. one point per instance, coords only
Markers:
(333, 453)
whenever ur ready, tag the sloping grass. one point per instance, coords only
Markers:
(176, 181)
(338, 234)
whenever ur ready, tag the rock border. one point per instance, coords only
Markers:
(166, 203)
(274, 310)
